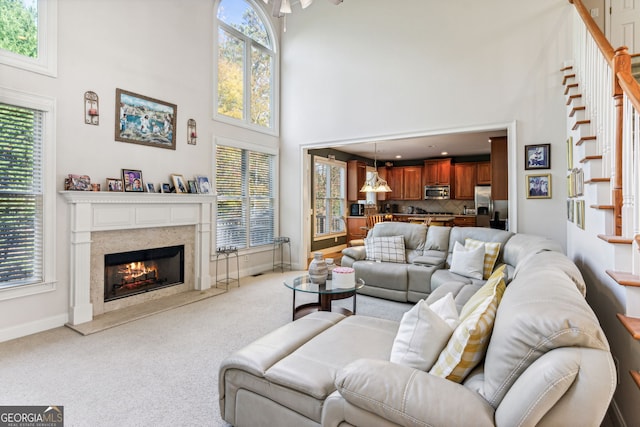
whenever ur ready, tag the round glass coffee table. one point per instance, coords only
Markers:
(326, 293)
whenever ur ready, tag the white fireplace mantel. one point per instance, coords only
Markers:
(105, 211)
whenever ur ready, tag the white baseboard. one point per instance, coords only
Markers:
(40, 325)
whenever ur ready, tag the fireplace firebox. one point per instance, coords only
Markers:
(135, 272)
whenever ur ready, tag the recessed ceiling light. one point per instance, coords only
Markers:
(444, 153)
(398, 156)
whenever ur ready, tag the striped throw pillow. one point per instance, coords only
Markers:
(468, 344)
(491, 252)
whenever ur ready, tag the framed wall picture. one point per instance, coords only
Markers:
(132, 180)
(114, 184)
(538, 186)
(537, 156)
(144, 120)
(179, 183)
(570, 153)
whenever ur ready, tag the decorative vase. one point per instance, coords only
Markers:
(318, 269)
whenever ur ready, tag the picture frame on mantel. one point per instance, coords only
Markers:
(537, 156)
(144, 120)
(132, 180)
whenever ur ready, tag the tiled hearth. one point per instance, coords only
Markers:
(105, 222)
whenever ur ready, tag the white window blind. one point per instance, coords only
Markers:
(245, 183)
(330, 178)
(21, 196)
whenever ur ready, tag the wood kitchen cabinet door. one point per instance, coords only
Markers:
(484, 173)
(465, 178)
(437, 172)
(412, 183)
(356, 175)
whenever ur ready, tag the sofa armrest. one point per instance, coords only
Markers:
(408, 396)
(358, 253)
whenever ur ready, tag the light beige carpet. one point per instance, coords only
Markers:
(139, 311)
(162, 369)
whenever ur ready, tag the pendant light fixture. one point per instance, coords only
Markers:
(375, 184)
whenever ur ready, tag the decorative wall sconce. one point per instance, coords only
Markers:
(192, 133)
(91, 108)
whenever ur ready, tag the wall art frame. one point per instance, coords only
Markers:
(537, 156)
(538, 186)
(144, 120)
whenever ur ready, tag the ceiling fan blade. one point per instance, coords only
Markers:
(305, 3)
(336, 2)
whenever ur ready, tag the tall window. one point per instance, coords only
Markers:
(28, 34)
(245, 65)
(245, 183)
(21, 196)
(330, 179)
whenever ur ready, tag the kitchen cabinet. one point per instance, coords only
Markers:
(464, 221)
(412, 183)
(465, 179)
(356, 175)
(483, 173)
(405, 182)
(437, 172)
(499, 169)
(354, 227)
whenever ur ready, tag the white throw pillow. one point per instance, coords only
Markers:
(386, 249)
(424, 331)
(467, 262)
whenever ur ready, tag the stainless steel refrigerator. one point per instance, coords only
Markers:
(484, 205)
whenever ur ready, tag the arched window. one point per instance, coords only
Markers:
(245, 66)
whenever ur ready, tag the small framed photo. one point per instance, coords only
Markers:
(77, 183)
(570, 153)
(166, 188)
(203, 184)
(179, 183)
(132, 180)
(537, 156)
(193, 187)
(114, 184)
(538, 186)
(150, 187)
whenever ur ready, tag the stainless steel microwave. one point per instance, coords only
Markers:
(436, 192)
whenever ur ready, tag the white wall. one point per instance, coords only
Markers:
(161, 49)
(370, 68)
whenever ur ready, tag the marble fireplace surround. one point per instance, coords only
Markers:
(95, 212)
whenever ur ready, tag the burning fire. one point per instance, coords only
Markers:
(137, 271)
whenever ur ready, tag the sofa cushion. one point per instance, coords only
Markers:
(414, 235)
(385, 249)
(541, 310)
(467, 345)
(424, 331)
(491, 252)
(437, 238)
(467, 262)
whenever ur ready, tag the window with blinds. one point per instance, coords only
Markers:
(245, 183)
(21, 196)
(330, 180)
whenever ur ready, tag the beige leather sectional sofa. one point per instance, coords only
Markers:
(547, 362)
